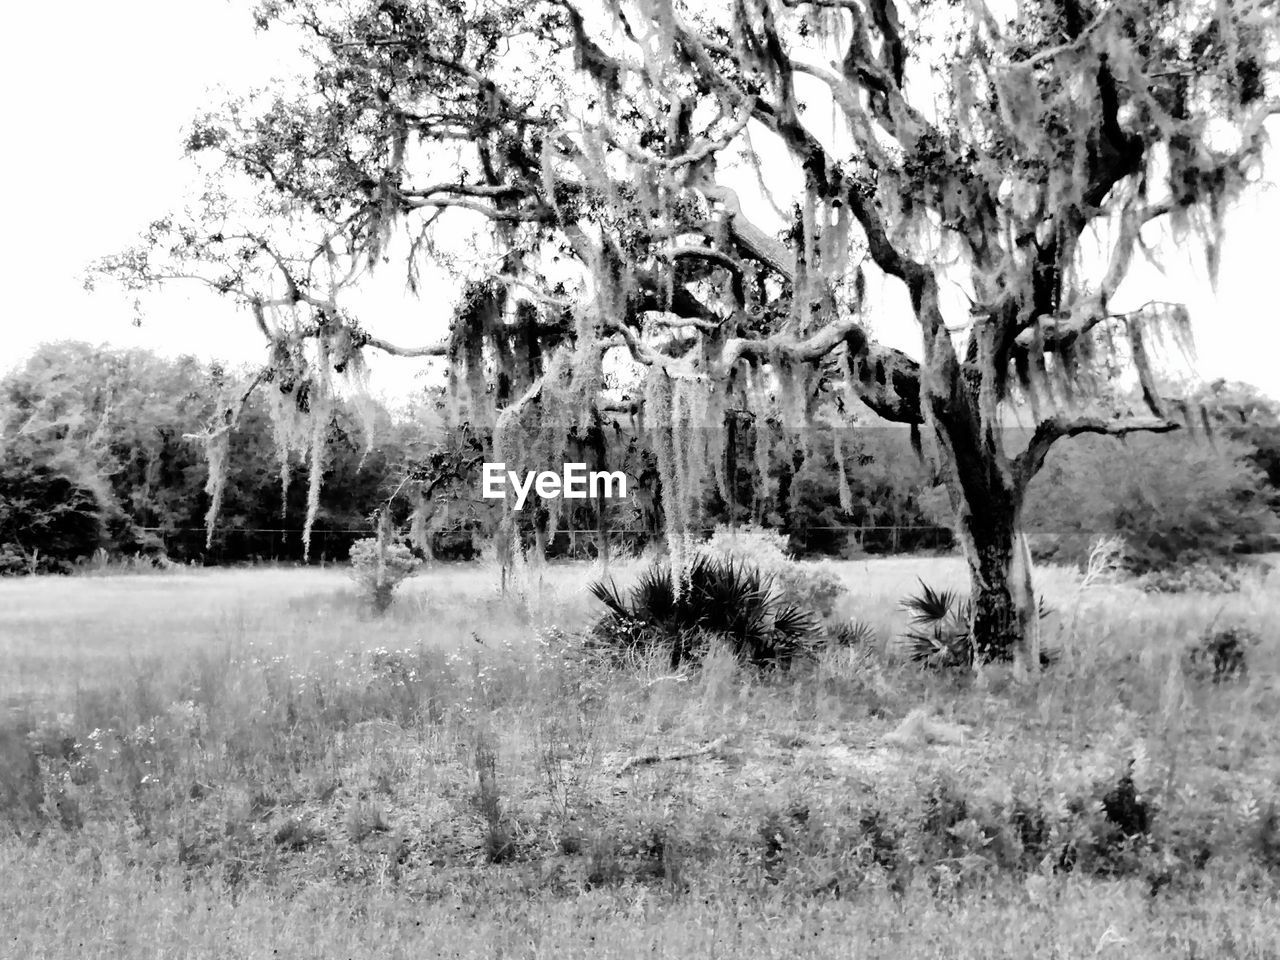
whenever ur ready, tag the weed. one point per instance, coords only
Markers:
(364, 820)
(297, 833)
(498, 841)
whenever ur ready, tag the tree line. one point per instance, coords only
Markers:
(100, 456)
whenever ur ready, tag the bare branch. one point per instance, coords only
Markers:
(431, 350)
(464, 190)
(1048, 432)
(541, 212)
(703, 253)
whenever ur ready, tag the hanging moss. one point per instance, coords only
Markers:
(321, 412)
(216, 450)
(479, 322)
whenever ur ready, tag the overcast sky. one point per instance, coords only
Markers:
(94, 102)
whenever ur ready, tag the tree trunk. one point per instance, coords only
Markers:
(989, 534)
(600, 459)
(987, 501)
(960, 402)
(1005, 611)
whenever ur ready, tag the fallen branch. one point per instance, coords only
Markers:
(646, 759)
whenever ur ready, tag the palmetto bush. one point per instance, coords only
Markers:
(939, 633)
(722, 600)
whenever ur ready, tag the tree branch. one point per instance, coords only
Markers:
(1048, 432)
(431, 350)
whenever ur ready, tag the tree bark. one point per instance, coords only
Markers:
(989, 532)
(1004, 615)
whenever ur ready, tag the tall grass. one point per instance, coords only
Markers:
(250, 751)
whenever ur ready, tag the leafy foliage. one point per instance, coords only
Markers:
(722, 599)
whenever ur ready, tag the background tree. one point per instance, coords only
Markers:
(47, 520)
(102, 435)
(111, 421)
(1251, 418)
(1017, 154)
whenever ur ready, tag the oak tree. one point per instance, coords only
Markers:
(716, 191)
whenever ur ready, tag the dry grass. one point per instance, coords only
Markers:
(232, 763)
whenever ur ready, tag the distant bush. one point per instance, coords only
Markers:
(379, 569)
(812, 585)
(1177, 502)
(1203, 576)
(723, 599)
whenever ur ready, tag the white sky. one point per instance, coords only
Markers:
(95, 102)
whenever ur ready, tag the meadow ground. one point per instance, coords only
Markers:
(246, 763)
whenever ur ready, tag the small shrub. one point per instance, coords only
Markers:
(1108, 835)
(723, 599)
(1125, 809)
(297, 834)
(780, 831)
(947, 814)
(940, 628)
(604, 866)
(881, 840)
(631, 848)
(1221, 654)
(13, 562)
(833, 851)
(381, 567)
(364, 820)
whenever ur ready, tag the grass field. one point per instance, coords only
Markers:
(245, 763)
